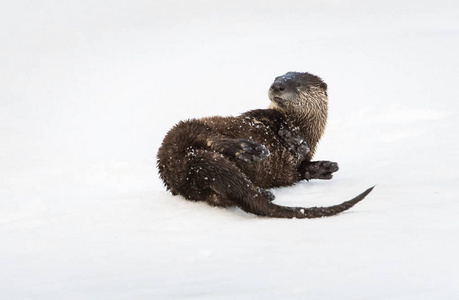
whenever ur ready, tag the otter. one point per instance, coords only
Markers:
(233, 161)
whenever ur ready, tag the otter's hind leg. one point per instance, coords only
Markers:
(213, 178)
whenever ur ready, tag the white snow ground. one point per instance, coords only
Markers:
(88, 89)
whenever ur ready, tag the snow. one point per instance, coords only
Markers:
(89, 89)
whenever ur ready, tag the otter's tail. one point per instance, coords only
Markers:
(277, 211)
(262, 207)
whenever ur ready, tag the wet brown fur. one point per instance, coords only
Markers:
(231, 161)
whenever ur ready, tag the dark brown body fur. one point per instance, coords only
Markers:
(231, 161)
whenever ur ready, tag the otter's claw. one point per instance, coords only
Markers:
(319, 170)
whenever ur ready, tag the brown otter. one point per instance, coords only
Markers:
(231, 161)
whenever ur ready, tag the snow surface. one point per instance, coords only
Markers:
(88, 89)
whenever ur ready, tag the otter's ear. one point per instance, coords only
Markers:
(324, 86)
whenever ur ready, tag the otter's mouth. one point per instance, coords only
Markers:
(279, 100)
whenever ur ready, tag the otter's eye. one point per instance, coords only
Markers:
(298, 84)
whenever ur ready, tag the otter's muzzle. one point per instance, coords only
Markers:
(277, 93)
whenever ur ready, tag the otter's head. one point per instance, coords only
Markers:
(298, 93)
(302, 97)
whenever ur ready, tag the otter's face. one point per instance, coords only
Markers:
(297, 91)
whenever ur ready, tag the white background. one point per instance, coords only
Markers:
(88, 89)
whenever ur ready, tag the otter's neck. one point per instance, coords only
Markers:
(312, 127)
(310, 120)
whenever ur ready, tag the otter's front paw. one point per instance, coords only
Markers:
(294, 142)
(246, 150)
(319, 170)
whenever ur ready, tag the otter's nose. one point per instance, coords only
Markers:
(278, 87)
